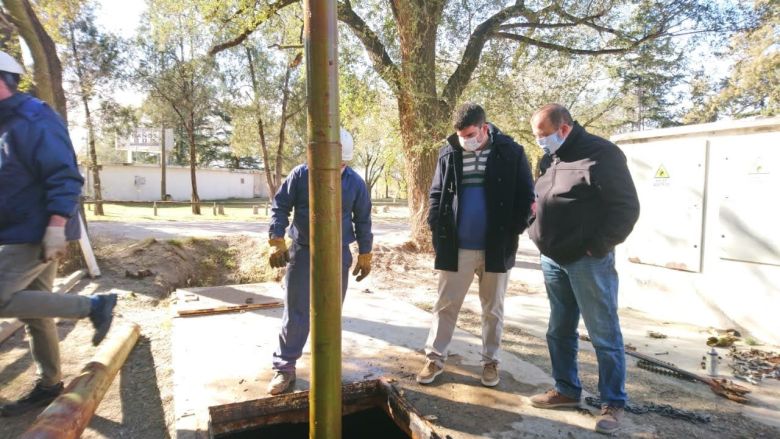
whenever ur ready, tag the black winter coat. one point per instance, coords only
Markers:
(586, 199)
(509, 193)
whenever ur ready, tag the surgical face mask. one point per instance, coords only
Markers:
(470, 144)
(551, 143)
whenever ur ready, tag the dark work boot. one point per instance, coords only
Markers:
(39, 396)
(101, 315)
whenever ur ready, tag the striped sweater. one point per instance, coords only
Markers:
(472, 224)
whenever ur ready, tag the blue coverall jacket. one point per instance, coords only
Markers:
(293, 196)
(39, 176)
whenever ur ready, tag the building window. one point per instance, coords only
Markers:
(242, 181)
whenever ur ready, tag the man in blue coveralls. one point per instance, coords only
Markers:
(293, 196)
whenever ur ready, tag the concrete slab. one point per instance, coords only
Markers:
(226, 358)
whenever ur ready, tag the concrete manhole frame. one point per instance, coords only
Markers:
(294, 408)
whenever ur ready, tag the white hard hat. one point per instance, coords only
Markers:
(347, 145)
(9, 64)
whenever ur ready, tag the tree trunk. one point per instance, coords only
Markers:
(195, 199)
(423, 128)
(270, 174)
(86, 94)
(48, 70)
(163, 169)
(423, 117)
(93, 164)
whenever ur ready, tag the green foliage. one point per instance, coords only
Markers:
(753, 85)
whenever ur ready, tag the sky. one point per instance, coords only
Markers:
(122, 17)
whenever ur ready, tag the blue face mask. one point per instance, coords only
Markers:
(551, 143)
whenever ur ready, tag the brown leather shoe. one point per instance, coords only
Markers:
(490, 376)
(553, 399)
(609, 421)
(430, 371)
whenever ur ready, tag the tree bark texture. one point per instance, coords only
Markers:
(48, 69)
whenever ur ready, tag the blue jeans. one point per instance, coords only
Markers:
(295, 320)
(588, 286)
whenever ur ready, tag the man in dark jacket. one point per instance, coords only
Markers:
(586, 205)
(40, 186)
(480, 202)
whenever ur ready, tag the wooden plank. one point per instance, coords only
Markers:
(9, 327)
(227, 309)
(86, 250)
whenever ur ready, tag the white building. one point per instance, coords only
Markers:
(142, 183)
(706, 248)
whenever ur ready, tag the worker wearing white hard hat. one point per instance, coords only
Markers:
(40, 185)
(293, 197)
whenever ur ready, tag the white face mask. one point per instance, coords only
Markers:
(470, 144)
(551, 143)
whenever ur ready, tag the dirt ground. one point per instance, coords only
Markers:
(139, 403)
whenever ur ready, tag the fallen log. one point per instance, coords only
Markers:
(68, 415)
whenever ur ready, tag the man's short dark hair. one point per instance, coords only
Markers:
(468, 114)
(557, 114)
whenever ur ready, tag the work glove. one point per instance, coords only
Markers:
(363, 266)
(280, 256)
(54, 243)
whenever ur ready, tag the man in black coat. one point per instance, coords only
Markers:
(480, 201)
(586, 205)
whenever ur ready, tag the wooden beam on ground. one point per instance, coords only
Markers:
(8, 328)
(227, 309)
(68, 415)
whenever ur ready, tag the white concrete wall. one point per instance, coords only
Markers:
(142, 183)
(706, 249)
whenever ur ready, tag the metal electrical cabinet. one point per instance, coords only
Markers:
(734, 167)
(750, 210)
(670, 180)
(706, 248)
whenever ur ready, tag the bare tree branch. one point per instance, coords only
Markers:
(575, 51)
(281, 46)
(462, 74)
(573, 21)
(588, 21)
(260, 18)
(381, 60)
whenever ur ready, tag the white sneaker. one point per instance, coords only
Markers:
(281, 382)
(430, 371)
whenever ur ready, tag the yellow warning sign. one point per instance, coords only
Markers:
(661, 172)
(759, 167)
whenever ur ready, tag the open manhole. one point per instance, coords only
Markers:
(372, 409)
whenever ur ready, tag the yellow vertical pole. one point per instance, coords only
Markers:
(324, 153)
